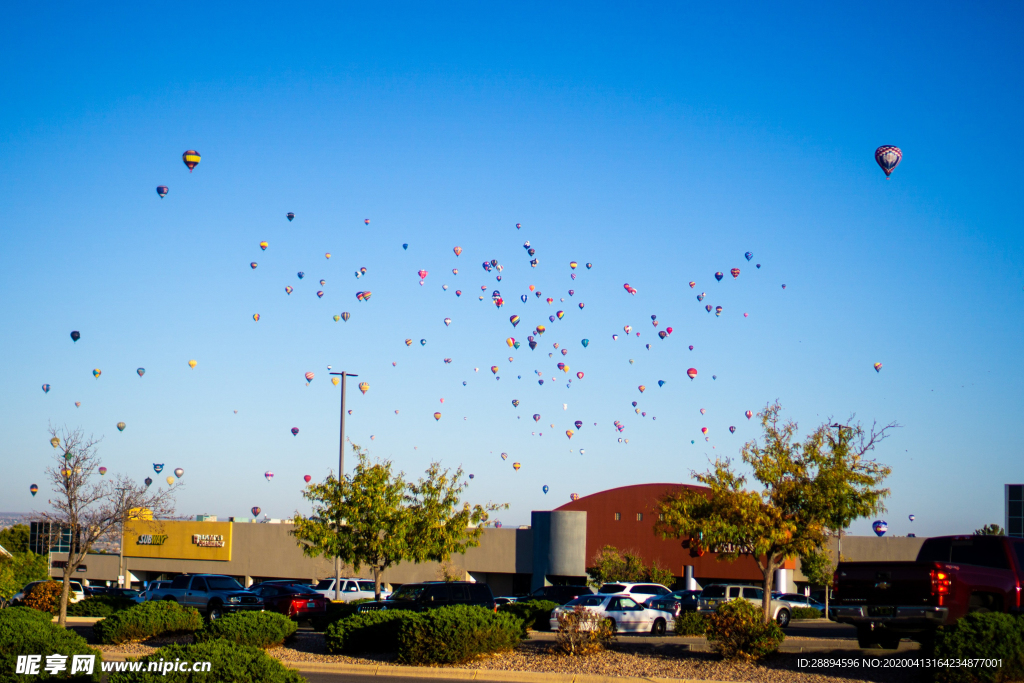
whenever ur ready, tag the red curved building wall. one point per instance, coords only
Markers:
(631, 533)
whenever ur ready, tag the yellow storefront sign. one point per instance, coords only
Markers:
(178, 540)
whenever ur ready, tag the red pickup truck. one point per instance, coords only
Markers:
(953, 575)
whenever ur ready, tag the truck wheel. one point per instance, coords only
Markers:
(658, 629)
(783, 618)
(215, 611)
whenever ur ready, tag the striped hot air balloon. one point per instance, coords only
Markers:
(191, 159)
(888, 158)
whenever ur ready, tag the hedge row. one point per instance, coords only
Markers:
(147, 619)
(806, 613)
(229, 663)
(100, 606)
(256, 629)
(982, 636)
(24, 631)
(446, 635)
(336, 611)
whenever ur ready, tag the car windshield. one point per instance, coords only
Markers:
(367, 586)
(612, 588)
(713, 592)
(413, 592)
(223, 583)
(587, 601)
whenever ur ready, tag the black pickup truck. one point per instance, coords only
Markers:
(953, 575)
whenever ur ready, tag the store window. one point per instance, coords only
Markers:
(618, 516)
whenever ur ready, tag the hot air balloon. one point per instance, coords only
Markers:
(749, 414)
(148, 481)
(335, 381)
(457, 250)
(363, 296)
(269, 475)
(256, 317)
(888, 158)
(170, 481)
(569, 433)
(103, 471)
(447, 322)
(295, 431)
(366, 221)
(192, 364)
(46, 388)
(704, 431)
(879, 526)
(320, 294)
(178, 472)
(33, 489)
(545, 489)
(75, 335)
(405, 246)
(516, 466)
(718, 311)
(691, 373)
(288, 289)
(290, 216)
(307, 478)
(732, 430)
(735, 272)
(54, 442)
(364, 387)
(253, 265)
(96, 373)
(161, 190)
(878, 367)
(158, 467)
(120, 426)
(437, 416)
(911, 517)
(345, 316)
(423, 342)
(641, 388)
(708, 308)
(749, 255)
(191, 159)
(309, 376)
(256, 511)
(536, 417)
(263, 246)
(494, 369)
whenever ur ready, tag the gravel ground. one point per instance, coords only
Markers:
(622, 659)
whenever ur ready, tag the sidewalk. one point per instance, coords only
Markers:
(470, 674)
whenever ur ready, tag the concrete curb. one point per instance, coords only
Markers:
(469, 674)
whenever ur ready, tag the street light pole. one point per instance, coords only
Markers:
(341, 473)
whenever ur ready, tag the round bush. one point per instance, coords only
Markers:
(258, 629)
(982, 636)
(737, 631)
(147, 619)
(370, 632)
(44, 596)
(99, 606)
(691, 624)
(229, 663)
(535, 614)
(24, 631)
(336, 611)
(449, 635)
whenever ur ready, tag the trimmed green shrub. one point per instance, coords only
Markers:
(370, 632)
(980, 636)
(737, 631)
(147, 619)
(229, 663)
(691, 624)
(44, 596)
(805, 613)
(25, 631)
(99, 606)
(335, 611)
(449, 635)
(258, 629)
(535, 614)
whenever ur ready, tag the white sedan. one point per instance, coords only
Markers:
(625, 614)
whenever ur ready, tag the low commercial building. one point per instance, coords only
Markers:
(557, 547)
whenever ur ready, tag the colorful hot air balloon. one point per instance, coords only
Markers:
(46, 388)
(514, 320)
(309, 376)
(269, 475)
(691, 373)
(33, 489)
(335, 381)
(256, 317)
(447, 322)
(366, 221)
(75, 335)
(569, 433)
(158, 467)
(641, 388)
(516, 466)
(749, 414)
(437, 416)
(96, 373)
(888, 158)
(345, 315)
(253, 265)
(545, 489)
(103, 471)
(148, 481)
(579, 375)
(457, 250)
(192, 364)
(536, 417)
(732, 430)
(911, 517)
(878, 367)
(735, 272)
(161, 190)
(54, 442)
(263, 246)
(574, 496)
(120, 426)
(307, 478)
(585, 342)
(191, 159)
(364, 387)
(141, 371)
(288, 289)
(719, 276)
(704, 431)
(178, 472)
(578, 423)
(718, 311)
(256, 510)
(879, 526)
(749, 255)
(295, 431)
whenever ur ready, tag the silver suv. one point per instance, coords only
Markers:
(351, 589)
(712, 596)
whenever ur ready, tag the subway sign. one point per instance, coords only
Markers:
(152, 539)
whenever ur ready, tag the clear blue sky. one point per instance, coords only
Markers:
(659, 144)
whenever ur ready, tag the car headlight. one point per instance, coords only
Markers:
(234, 598)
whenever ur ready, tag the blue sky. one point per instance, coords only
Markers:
(658, 143)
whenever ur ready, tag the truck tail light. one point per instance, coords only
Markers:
(1018, 594)
(941, 583)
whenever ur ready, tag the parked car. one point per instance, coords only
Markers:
(624, 613)
(712, 596)
(504, 601)
(292, 600)
(94, 591)
(797, 600)
(560, 594)
(289, 582)
(212, 594)
(430, 594)
(952, 576)
(153, 586)
(351, 589)
(676, 603)
(126, 593)
(76, 593)
(640, 591)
